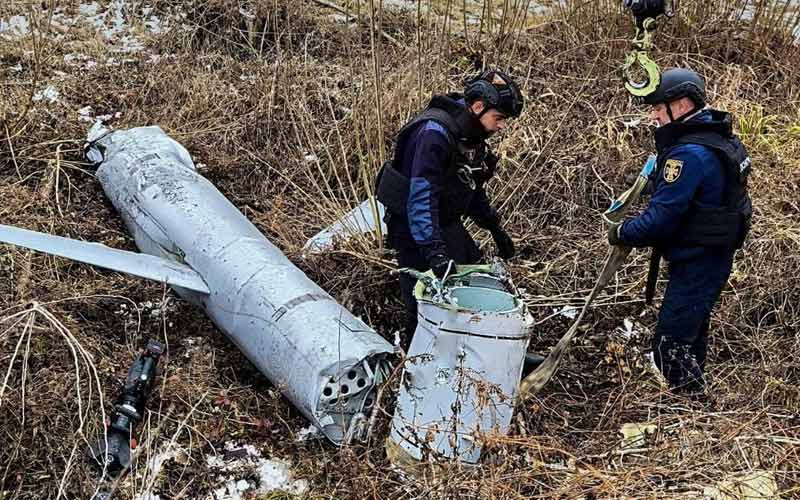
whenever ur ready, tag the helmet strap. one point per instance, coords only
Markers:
(695, 109)
(669, 111)
(484, 110)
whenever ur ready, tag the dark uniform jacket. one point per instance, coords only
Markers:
(699, 204)
(441, 177)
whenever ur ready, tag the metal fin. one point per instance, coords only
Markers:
(136, 264)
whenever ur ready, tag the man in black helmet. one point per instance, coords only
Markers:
(437, 176)
(698, 215)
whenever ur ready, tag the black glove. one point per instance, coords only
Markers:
(613, 235)
(440, 264)
(504, 243)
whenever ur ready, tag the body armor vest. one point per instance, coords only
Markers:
(461, 177)
(728, 224)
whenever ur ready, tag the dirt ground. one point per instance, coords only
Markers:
(288, 107)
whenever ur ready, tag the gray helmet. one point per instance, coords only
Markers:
(676, 83)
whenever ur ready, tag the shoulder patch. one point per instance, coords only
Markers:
(672, 170)
(434, 126)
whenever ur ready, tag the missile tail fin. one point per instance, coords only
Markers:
(96, 254)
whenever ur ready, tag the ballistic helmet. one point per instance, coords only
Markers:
(497, 91)
(676, 83)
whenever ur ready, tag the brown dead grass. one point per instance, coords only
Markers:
(282, 110)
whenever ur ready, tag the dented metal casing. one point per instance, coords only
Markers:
(463, 367)
(321, 357)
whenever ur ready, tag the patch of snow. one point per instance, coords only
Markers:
(310, 433)
(569, 312)
(751, 485)
(155, 26)
(276, 475)
(70, 59)
(112, 23)
(85, 115)
(88, 9)
(634, 435)
(49, 94)
(146, 496)
(340, 18)
(400, 4)
(130, 44)
(239, 460)
(16, 68)
(80, 60)
(16, 26)
(628, 329)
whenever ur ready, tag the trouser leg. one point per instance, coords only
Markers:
(681, 336)
(700, 344)
(460, 245)
(408, 255)
(407, 292)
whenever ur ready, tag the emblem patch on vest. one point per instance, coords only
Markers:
(672, 170)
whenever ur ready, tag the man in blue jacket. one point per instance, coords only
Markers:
(437, 176)
(698, 215)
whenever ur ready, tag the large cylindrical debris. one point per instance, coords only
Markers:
(462, 370)
(321, 357)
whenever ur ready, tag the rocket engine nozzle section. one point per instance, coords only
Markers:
(324, 360)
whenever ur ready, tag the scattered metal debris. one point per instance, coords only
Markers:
(360, 220)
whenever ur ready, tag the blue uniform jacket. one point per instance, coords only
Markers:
(692, 174)
(424, 160)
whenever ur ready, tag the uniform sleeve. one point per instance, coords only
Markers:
(430, 159)
(674, 187)
(481, 211)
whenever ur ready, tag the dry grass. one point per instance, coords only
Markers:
(290, 112)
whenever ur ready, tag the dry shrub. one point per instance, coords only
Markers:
(289, 111)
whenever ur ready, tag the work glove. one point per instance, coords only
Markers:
(440, 264)
(613, 235)
(504, 243)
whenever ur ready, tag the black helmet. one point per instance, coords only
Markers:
(676, 83)
(497, 90)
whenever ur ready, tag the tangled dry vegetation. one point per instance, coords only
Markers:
(288, 107)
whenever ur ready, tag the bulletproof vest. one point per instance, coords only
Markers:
(463, 175)
(728, 224)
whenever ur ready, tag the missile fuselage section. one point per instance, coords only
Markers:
(323, 359)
